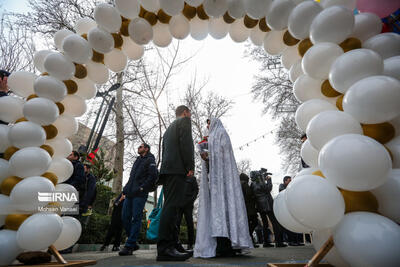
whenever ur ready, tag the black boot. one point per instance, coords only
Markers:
(181, 249)
(171, 254)
(127, 251)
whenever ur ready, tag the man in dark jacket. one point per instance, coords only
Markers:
(115, 228)
(143, 176)
(177, 163)
(262, 190)
(191, 191)
(89, 195)
(3, 86)
(250, 202)
(78, 178)
(286, 181)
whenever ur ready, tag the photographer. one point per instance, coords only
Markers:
(261, 186)
(3, 86)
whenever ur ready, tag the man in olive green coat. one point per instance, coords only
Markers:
(177, 163)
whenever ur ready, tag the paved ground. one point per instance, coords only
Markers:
(257, 257)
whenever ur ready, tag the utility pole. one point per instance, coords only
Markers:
(119, 149)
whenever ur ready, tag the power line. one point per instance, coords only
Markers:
(253, 141)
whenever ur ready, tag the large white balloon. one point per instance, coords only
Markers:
(116, 60)
(77, 49)
(358, 247)
(366, 25)
(273, 42)
(309, 154)
(21, 83)
(391, 67)
(329, 124)
(295, 71)
(4, 171)
(74, 105)
(317, 61)
(394, 147)
(354, 66)
(257, 36)
(29, 161)
(107, 17)
(69, 190)
(70, 233)
(306, 111)
(66, 125)
(150, 5)
(11, 108)
(41, 111)
(86, 88)
(133, 50)
(162, 38)
(333, 24)
(198, 28)
(84, 25)
(300, 19)
(38, 59)
(25, 134)
(284, 217)
(385, 44)
(39, 231)
(140, 31)
(97, 72)
(363, 167)
(194, 3)
(128, 8)
(62, 168)
(172, 7)
(278, 14)
(59, 37)
(305, 171)
(350, 4)
(58, 66)
(324, 213)
(62, 147)
(179, 27)
(236, 9)
(306, 88)
(218, 28)
(257, 9)
(9, 248)
(100, 40)
(5, 142)
(373, 100)
(238, 31)
(388, 196)
(50, 88)
(333, 257)
(290, 56)
(215, 8)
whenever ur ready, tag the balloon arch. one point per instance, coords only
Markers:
(345, 72)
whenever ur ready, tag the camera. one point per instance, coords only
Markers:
(261, 174)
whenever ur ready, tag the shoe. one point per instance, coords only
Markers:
(171, 254)
(103, 247)
(181, 249)
(280, 245)
(115, 248)
(268, 245)
(293, 244)
(190, 247)
(127, 251)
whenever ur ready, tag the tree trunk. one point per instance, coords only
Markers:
(119, 151)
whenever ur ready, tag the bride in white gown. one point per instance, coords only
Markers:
(222, 211)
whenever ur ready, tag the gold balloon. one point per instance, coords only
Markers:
(318, 173)
(263, 25)
(381, 132)
(49, 149)
(61, 107)
(9, 152)
(327, 89)
(98, 57)
(163, 17)
(359, 201)
(339, 102)
(51, 176)
(227, 18)
(72, 86)
(124, 27)
(289, 40)
(51, 131)
(350, 44)
(189, 11)
(201, 13)
(8, 184)
(249, 22)
(21, 120)
(14, 221)
(84, 36)
(44, 74)
(304, 45)
(151, 18)
(80, 71)
(142, 12)
(31, 97)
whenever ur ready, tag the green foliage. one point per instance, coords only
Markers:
(100, 170)
(103, 198)
(96, 229)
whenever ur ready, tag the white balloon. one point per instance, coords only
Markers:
(179, 27)
(385, 44)
(21, 83)
(66, 125)
(373, 100)
(70, 233)
(333, 24)
(133, 50)
(324, 213)
(11, 108)
(394, 147)
(100, 40)
(5, 142)
(354, 66)
(41, 111)
(97, 72)
(388, 196)
(300, 19)
(257, 8)
(150, 5)
(26, 134)
(50, 88)
(29, 161)
(284, 217)
(333, 257)
(238, 31)
(236, 9)
(77, 49)
(363, 167)
(70, 190)
(39, 231)
(317, 61)
(162, 38)
(38, 59)
(396, 124)
(278, 14)
(218, 28)
(140, 31)
(350, 4)
(58, 66)
(306, 111)
(4, 171)
(295, 71)
(62, 168)
(309, 154)
(107, 17)
(306, 88)
(290, 56)
(329, 124)
(84, 25)
(59, 37)
(305, 171)
(172, 7)
(128, 8)
(198, 28)
(391, 67)
(116, 60)
(215, 8)
(74, 105)
(366, 25)
(257, 36)
(358, 247)
(273, 42)
(62, 147)
(194, 3)
(9, 248)
(86, 88)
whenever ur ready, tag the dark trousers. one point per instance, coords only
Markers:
(187, 211)
(132, 214)
(275, 225)
(174, 190)
(252, 221)
(115, 228)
